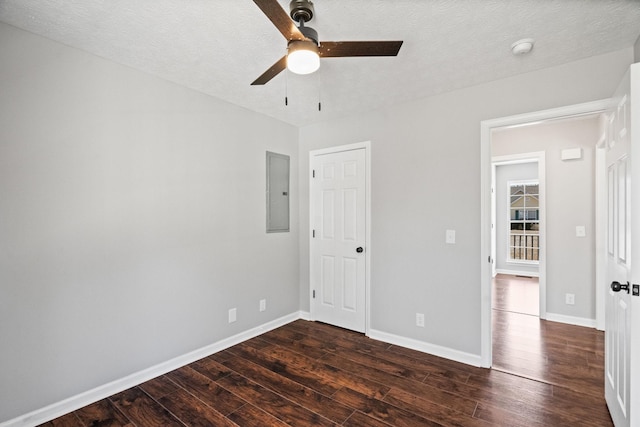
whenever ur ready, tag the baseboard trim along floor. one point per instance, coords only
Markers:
(83, 399)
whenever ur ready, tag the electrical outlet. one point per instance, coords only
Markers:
(232, 315)
(420, 320)
(570, 299)
(263, 304)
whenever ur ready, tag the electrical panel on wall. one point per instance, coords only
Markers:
(277, 193)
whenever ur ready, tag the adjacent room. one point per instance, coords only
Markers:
(539, 190)
(184, 218)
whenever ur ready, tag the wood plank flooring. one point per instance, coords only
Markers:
(567, 356)
(517, 294)
(313, 374)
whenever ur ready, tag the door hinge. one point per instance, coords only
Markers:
(489, 259)
(314, 294)
(313, 173)
(313, 233)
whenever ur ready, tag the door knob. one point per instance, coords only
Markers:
(359, 250)
(617, 287)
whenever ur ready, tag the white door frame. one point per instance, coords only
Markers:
(486, 127)
(512, 159)
(366, 145)
(600, 200)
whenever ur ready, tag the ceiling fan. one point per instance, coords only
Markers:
(304, 50)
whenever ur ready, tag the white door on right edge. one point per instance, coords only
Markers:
(618, 305)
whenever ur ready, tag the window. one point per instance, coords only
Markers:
(524, 221)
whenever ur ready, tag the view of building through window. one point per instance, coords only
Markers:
(524, 221)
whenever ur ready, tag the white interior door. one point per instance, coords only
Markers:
(338, 244)
(618, 309)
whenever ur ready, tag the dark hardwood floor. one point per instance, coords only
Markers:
(313, 374)
(564, 356)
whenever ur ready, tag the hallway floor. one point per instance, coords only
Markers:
(550, 352)
(517, 294)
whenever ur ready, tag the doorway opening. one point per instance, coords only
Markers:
(518, 251)
(523, 249)
(555, 310)
(517, 233)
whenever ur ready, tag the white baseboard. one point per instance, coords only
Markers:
(73, 403)
(517, 273)
(578, 321)
(436, 350)
(305, 315)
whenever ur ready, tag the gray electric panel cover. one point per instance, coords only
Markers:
(277, 192)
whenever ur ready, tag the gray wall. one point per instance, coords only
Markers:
(636, 50)
(132, 213)
(132, 217)
(426, 179)
(570, 190)
(504, 174)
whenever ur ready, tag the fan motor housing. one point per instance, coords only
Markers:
(310, 34)
(301, 10)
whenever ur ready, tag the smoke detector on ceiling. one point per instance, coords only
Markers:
(522, 47)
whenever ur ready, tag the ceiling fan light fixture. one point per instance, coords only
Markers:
(303, 57)
(305, 48)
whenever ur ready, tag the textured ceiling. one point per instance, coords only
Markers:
(219, 47)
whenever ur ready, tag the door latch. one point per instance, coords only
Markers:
(617, 286)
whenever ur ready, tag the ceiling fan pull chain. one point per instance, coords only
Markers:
(286, 88)
(319, 85)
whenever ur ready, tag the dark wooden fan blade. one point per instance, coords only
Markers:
(271, 72)
(372, 48)
(280, 19)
